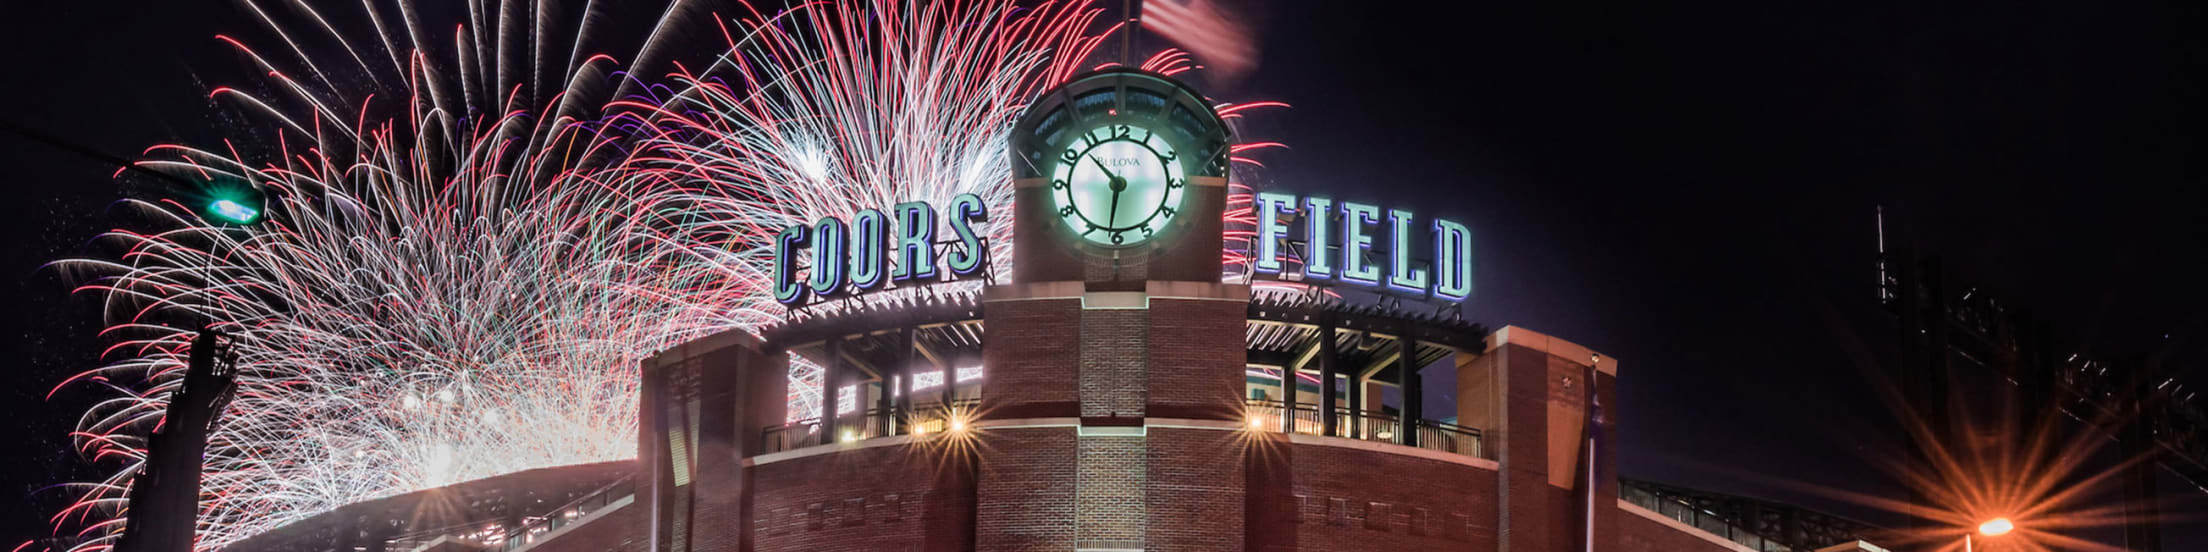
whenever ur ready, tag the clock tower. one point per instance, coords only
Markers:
(1119, 177)
(1115, 357)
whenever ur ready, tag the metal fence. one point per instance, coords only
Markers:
(876, 423)
(609, 497)
(1270, 415)
(1688, 514)
(503, 538)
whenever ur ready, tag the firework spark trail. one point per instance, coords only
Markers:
(460, 266)
(849, 108)
(410, 316)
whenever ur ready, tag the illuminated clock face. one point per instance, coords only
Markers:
(1118, 185)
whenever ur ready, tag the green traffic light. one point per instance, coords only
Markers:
(233, 211)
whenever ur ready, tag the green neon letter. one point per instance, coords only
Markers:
(868, 229)
(829, 248)
(1452, 260)
(967, 209)
(1317, 265)
(915, 241)
(1355, 242)
(787, 290)
(1402, 276)
(1266, 248)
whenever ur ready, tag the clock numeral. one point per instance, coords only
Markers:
(1066, 211)
(1058, 184)
(1092, 228)
(1175, 184)
(1090, 139)
(1146, 232)
(1167, 211)
(1119, 238)
(1122, 131)
(1071, 155)
(1170, 156)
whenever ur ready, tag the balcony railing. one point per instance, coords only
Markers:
(1700, 519)
(876, 423)
(1267, 415)
(496, 537)
(1263, 415)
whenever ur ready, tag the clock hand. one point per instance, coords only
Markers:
(1107, 170)
(1113, 219)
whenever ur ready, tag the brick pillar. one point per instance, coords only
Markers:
(1527, 394)
(702, 410)
(1033, 354)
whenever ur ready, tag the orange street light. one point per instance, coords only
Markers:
(1992, 528)
(1996, 527)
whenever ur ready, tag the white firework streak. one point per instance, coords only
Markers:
(830, 109)
(457, 277)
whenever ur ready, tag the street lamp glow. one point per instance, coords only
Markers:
(233, 211)
(1996, 527)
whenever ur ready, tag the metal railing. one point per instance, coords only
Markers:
(1692, 516)
(502, 538)
(569, 513)
(850, 427)
(1270, 415)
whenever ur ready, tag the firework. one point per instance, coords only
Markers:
(464, 255)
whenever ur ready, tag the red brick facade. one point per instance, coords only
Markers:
(1041, 334)
(895, 497)
(1641, 534)
(1196, 371)
(1330, 494)
(1064, 474)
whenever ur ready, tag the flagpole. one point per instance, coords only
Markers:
(1127, 32)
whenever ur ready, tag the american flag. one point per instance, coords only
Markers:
(1215, 36)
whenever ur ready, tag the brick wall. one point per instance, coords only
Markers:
(1197, 356)
(1112, 364)
(1194, 489)
(1026, 488)
(1640, 534)
(1318, 497)
(1109, 510)
(1033, 358)
(897, 497)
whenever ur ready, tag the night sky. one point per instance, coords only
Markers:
(1689, 189)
